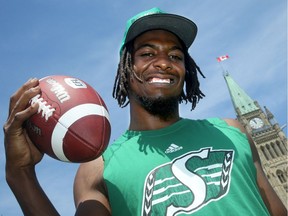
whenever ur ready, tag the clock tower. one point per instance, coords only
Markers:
(268, 137)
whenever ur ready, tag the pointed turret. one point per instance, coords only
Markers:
(269, 139)
(241, 101)
(269, 115)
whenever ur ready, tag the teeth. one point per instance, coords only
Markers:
(158, 80)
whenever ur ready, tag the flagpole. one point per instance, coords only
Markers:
(220, 59)
(223, 69)
(221, 65)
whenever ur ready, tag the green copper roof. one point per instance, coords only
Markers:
(239, 97)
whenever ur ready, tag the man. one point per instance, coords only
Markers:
(163, 164)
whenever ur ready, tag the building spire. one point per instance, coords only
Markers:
(268, 113)
(241, 101)
(270, 117)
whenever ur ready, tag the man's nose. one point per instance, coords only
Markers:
(163, 62)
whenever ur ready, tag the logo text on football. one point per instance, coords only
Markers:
(58, 90)
(75, 83)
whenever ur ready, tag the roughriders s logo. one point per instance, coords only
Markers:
(188, 183)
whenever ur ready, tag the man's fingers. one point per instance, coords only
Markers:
(22, 96)
(17, 120)
(19, 112)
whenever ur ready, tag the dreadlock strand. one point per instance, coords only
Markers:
(120, 89)
(193, 92)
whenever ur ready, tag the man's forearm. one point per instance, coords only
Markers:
(29, 194)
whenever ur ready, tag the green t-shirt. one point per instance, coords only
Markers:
(193, 167)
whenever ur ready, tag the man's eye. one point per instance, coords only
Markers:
(176, 57)
(147, 54)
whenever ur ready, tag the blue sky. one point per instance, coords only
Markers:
(82, 39)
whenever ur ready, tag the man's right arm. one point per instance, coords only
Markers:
(28, 192)
(22, 156)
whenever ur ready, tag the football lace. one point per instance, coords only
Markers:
(47, 110)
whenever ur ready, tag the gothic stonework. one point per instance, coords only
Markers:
(268, 137)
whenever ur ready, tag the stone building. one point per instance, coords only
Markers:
(268, 137)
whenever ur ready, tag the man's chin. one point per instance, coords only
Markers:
(164, 108)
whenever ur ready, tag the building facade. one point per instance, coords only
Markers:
(268, 136)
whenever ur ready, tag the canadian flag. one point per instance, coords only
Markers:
(222, 58)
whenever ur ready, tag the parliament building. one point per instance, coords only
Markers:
(268, 136)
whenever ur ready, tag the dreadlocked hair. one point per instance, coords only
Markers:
(120, 89)
(192, 86)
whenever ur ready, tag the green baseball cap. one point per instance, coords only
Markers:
(154, 19)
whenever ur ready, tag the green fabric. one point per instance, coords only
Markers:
(193, 167)
(154, 10)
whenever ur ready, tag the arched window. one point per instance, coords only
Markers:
(281, 147)
(275, 149)
(270, 151)
(264, 152)
(281, 176)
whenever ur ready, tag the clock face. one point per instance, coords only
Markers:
(256, 123)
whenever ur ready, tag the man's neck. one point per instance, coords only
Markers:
(143, 120)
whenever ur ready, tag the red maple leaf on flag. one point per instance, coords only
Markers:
(222, 58)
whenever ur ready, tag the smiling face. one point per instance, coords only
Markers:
(158, 68)
(158, 61)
